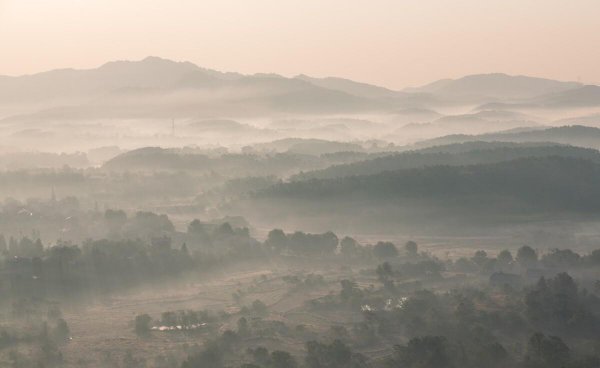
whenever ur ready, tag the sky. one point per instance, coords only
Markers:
(393, 43)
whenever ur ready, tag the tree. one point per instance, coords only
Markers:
(594, 257)
(61, 331)
(149, 224)
(385, 250)
(242, 327)
(350, 291)
(142, 324)
(196, 227)
(129, 361)
(169, 318)
(526, 256)
(422, 352)
(349, 247)
(184, 250)
(313, 244)
(3, 245)
(411, 248)
(209, 357)
(228, 339)
(480, 258)
(384, 272)
(282, 359)
(328, 243)
(224, 230)
(546, 352)
(115, 220)
(562, 259)
(556, 305)
(505, 258)
(334, 355)
(259, 308)
(276, 240)
(260, 355)
(492, 355)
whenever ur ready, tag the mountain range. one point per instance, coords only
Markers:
(182, 87)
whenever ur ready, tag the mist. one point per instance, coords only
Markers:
(311, 186)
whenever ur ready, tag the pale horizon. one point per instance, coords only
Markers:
(394, 44)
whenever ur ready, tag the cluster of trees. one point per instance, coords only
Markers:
(43, 334)
(558, 306)
(439, 352)
(504, 268)
(525, 326)
(335, 354)
(533, 327)
(301, 243)
(308, 282)
(92, 184)
(221, 238)
(475, 327)
(102, 265)
(526, 258)
(96, 267)
(65, 219)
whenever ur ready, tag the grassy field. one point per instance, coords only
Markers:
(103, 333)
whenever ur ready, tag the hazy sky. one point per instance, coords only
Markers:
(395, 43)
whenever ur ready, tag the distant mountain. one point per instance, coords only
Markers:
(220, 125)
(470, 153)
(495, 86)
(350, 123)
(307, 146)
(352, 87)
(162, 89)
(224, 128)
(415, 115)
(485, 121)
(480, 122)
(575, 135)
(503, 115)
(151, 72)
(593, 119)
(580, 97)
(585, 96)
(294, 95)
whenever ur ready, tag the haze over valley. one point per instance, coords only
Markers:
(335, 184)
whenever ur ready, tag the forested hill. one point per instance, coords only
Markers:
(576, 135)
(452, 155)
(546, 182)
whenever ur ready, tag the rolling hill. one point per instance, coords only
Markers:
(544, 183)
(575, 135)
(470, 153)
